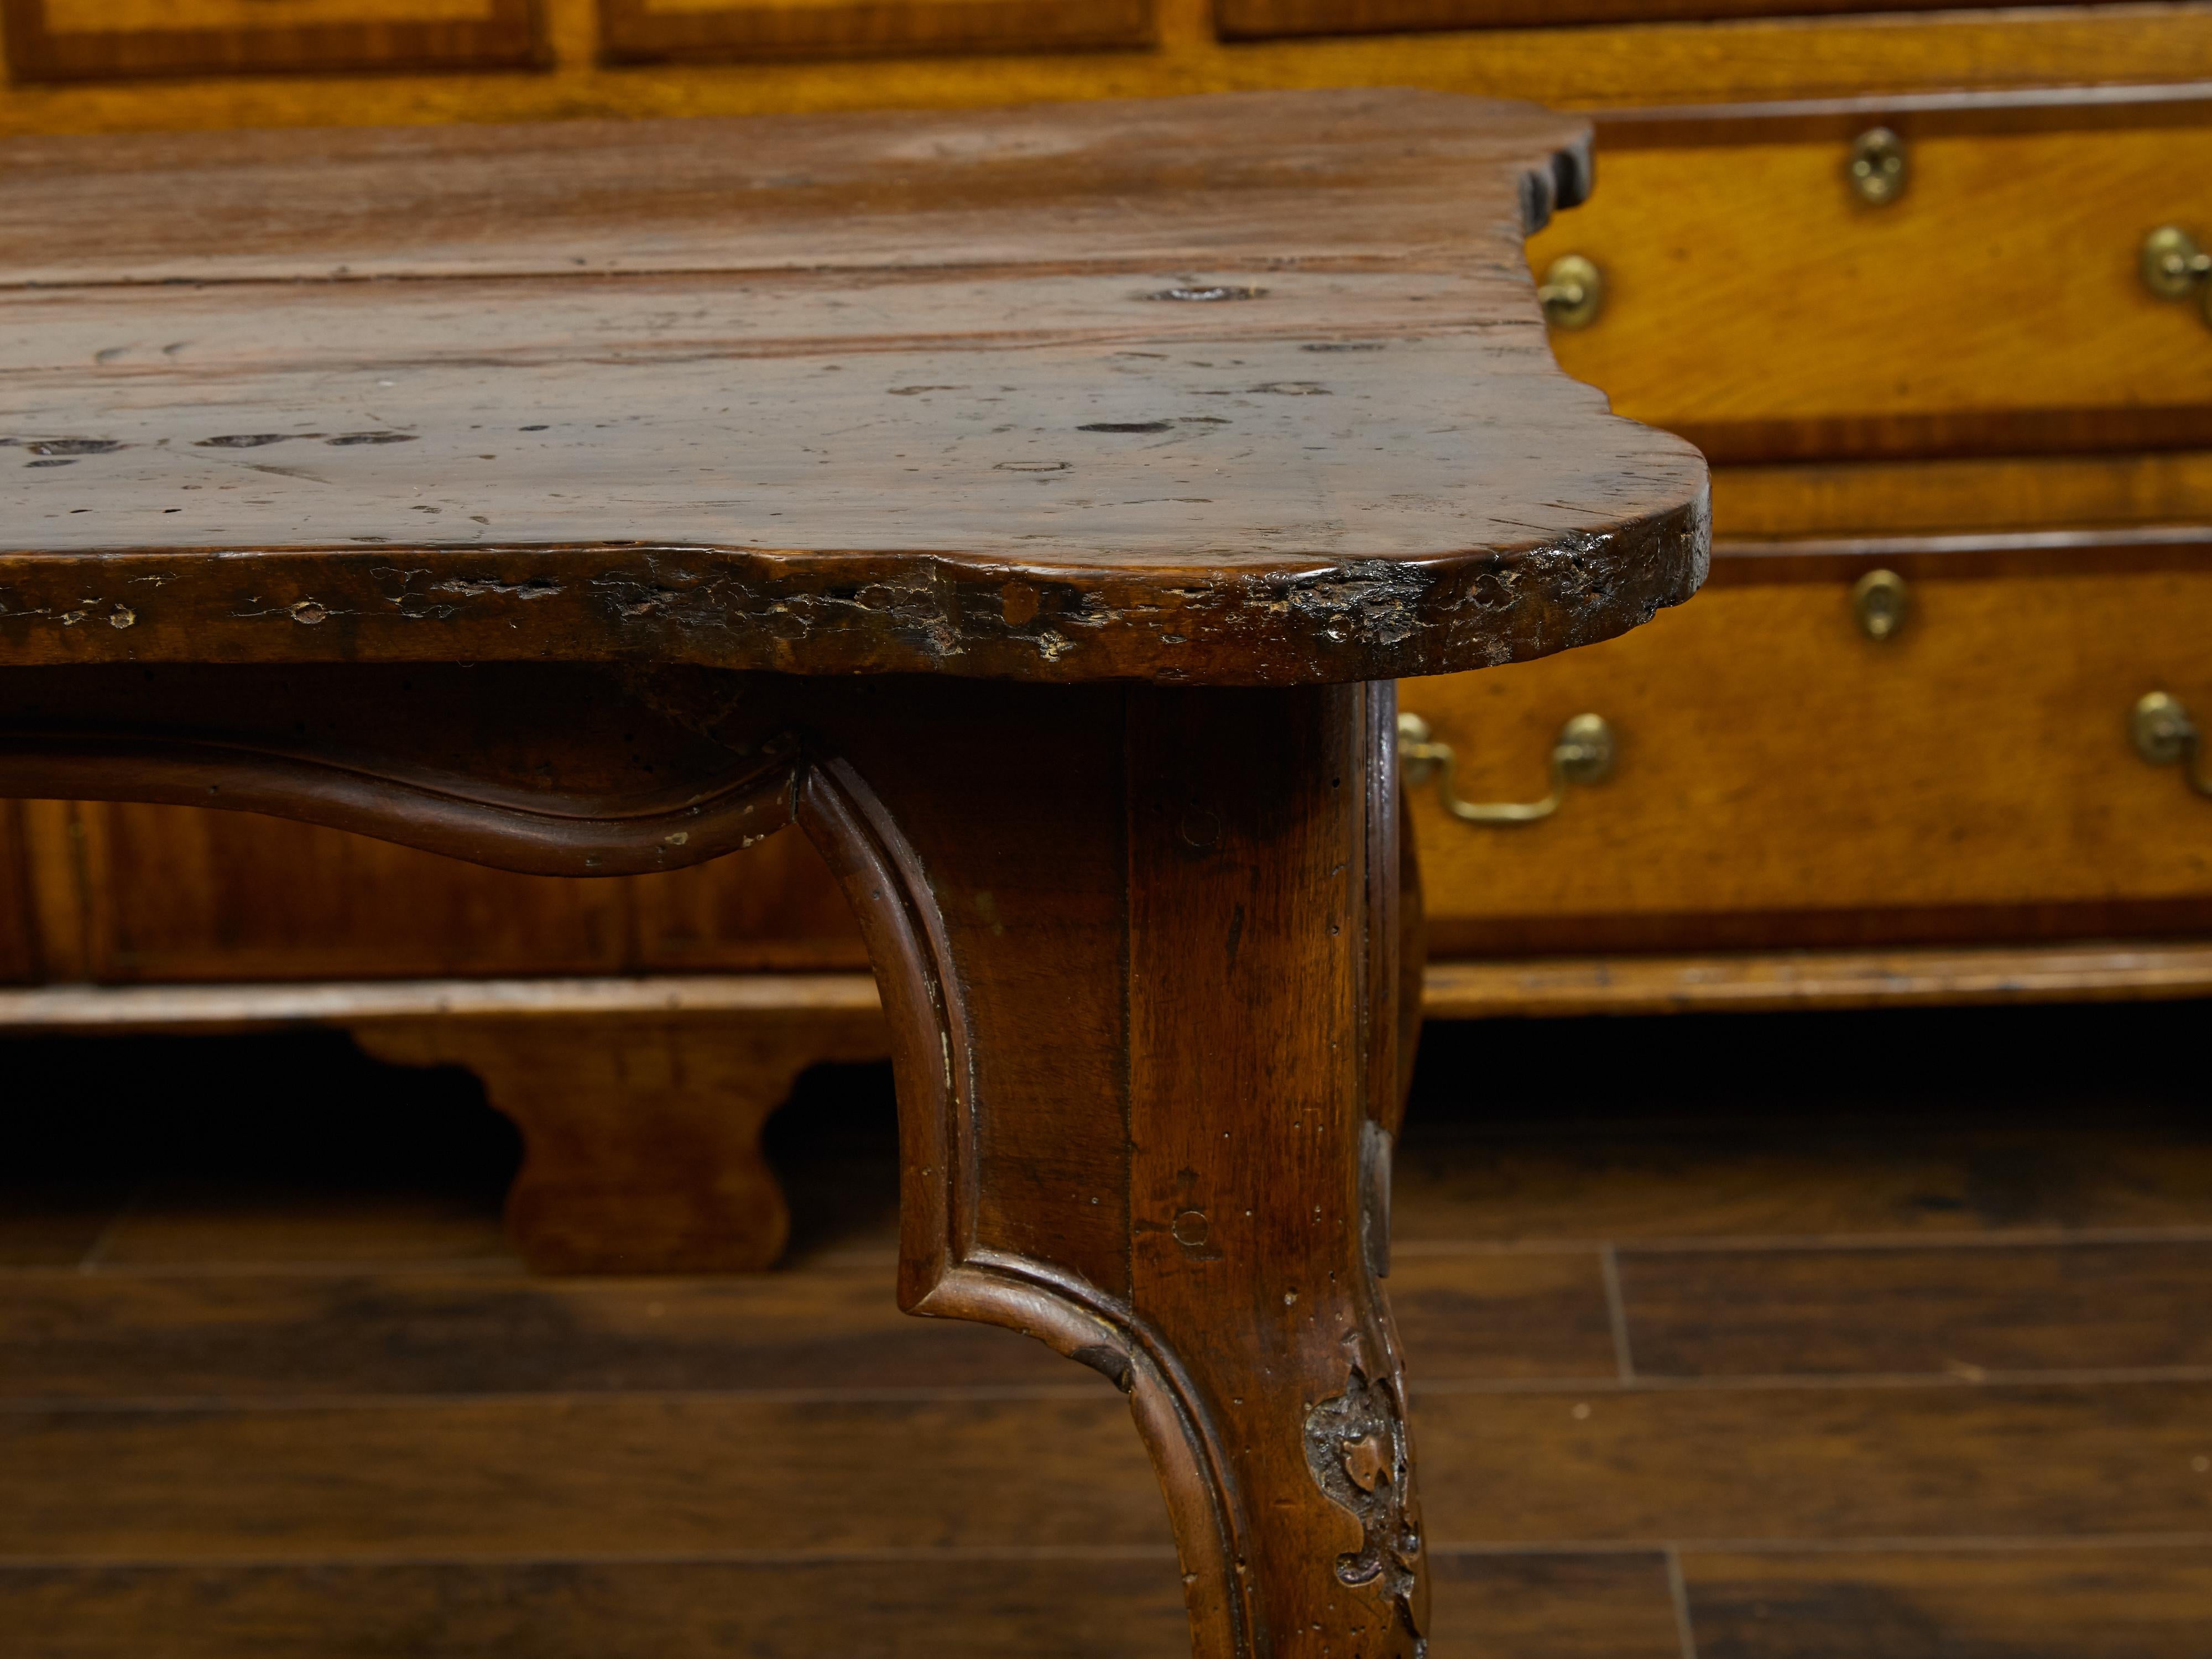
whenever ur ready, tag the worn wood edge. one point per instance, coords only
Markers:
(1841, 979)
(1328, 619)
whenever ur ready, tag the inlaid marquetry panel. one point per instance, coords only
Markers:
(674, 31)
(94, 40)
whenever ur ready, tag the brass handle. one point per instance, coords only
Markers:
(1581, 753)
(2164, 735)
(1573, 292)
(1877, 170)
(2173, 267)
(1879, 600)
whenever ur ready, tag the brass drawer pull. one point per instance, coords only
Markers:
(1879, 600)
(2164, 735)
(1581, 753)
(1573, 292)
(2175, 268)
(1877, 170)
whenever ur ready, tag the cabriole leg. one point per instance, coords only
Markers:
(1142, 953)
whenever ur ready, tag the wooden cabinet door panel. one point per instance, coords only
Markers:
(175, 893)
(1756, 307)
(1783, 779)
(679, 31)
(98, 39)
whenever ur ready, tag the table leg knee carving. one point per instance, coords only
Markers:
(1140, 954)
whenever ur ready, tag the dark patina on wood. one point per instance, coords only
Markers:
(593, 500)
(1234, 390)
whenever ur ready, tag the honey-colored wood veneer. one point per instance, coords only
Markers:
(1993, 307)
(1661, 63)
(1783, 779)
(704, 30)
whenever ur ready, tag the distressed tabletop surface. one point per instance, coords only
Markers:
(1249, 389)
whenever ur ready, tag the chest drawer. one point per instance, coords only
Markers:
(131, 39)
(1753, 302)
(708, 31)
(1782, 778)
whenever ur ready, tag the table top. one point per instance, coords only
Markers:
(1246, 389)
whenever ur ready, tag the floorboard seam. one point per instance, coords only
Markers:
(1910, 1544)
(1660, 1244)
(1616, 1308)
(1678, 1592)
(981, 1394)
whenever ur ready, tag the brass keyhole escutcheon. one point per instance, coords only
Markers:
(1573, 292)
(1877, 169)
(2173, 267)
(1880, 600)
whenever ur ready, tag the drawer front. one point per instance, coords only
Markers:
(100, 39)
(1755, 305)
(1783, 779)
(704, 30)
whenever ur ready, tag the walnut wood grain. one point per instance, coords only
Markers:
(124, 893)
(1140, 945)
(1965, 1314)
(814, 1477)
(176, 894)
(971, 438)
(1092, 1606)
(586, 1468)
(296, 1331)
(539, 768)
(2098, 1603)
(1188, 862)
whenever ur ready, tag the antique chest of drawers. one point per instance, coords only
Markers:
(1926, 288)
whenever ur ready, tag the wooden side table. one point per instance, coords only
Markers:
(1036, 506)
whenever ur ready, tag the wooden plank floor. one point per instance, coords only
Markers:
(1893, 1341)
